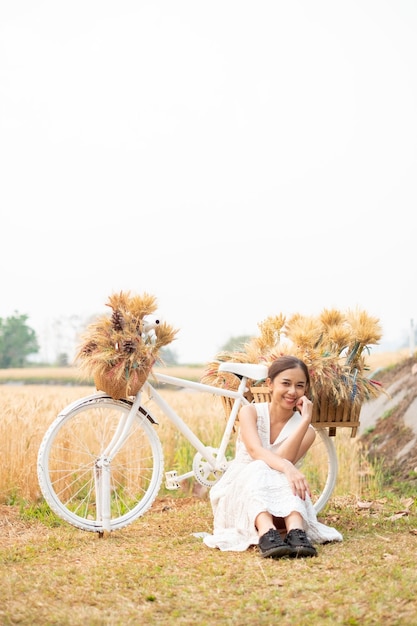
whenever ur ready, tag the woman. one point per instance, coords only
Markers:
(262, 486)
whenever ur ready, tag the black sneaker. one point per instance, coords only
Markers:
(272, 544)
(300, 546)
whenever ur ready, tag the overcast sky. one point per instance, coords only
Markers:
(237, 159)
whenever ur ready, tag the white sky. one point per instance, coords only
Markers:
(235, 158)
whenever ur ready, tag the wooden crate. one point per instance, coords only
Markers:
(326, 414)
(227, 405)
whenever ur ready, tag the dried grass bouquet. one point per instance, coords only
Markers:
(117, 350)
(333, 345)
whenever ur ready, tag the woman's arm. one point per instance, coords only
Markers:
(292, 448)
(250, 437)
(296, 445)
(278, 461)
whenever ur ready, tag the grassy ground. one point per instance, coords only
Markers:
(156, 572)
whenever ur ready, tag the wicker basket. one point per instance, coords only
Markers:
(326, 414)
(122, 388)
(227, 405)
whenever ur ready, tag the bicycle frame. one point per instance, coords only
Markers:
(218, 463)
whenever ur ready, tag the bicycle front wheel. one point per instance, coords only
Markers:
(77, 473)
(320, 467)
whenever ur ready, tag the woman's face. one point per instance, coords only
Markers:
(288, 386)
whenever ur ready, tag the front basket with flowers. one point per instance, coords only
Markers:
(118, 350)
(334, 346)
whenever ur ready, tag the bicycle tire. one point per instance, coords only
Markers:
(67, 460)
(320, 467)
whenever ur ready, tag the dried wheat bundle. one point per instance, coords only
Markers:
(116, 351)
(225, 380)
(331, 344)
(270, 333)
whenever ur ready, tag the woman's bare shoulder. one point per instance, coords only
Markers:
(248, 411)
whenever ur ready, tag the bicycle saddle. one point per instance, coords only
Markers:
(253, 371)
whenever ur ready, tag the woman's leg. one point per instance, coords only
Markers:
(264, 522)
(294, 520)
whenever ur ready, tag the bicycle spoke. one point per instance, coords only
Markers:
(71, 465)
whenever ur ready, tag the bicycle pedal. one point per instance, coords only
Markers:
(171, 481)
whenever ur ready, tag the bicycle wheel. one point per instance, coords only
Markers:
(320, 468)
(72, 456)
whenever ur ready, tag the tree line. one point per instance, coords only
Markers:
(18, 341)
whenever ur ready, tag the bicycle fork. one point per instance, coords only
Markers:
(102, 466)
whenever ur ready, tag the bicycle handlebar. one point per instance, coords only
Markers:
(150, 322)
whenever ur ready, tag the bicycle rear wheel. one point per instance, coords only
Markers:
(320, 467)
(71, 459)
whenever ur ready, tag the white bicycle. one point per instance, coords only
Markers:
(101, 462)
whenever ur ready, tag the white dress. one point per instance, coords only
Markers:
(250, 486)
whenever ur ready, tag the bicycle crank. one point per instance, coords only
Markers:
(203, 471)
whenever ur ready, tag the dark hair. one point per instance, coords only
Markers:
(287, 363)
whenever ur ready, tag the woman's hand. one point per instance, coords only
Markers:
(297, 481)
(305, 407)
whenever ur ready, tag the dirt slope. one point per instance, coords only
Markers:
(389, 423)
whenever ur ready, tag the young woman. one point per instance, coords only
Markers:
(262, 488)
